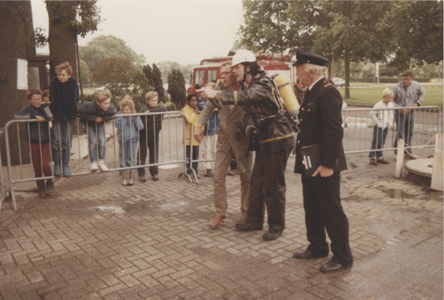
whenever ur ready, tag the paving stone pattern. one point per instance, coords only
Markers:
(96, 239)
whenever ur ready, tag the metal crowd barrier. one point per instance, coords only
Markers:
(359, 130)
(171, 149)
(2, 182)
(420, 123)
(206, 155)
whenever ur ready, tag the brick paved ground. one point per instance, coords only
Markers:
(95, 239)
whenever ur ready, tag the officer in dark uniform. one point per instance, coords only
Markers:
(275, 139)
(320, 123)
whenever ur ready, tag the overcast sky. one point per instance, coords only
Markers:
(185, 31)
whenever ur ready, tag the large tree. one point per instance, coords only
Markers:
(331, 28)
(176, 88)
(67, 19)
(116, 73)
(354, 35)
(108, 46)
(16, 40)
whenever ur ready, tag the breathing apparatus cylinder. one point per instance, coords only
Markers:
(286, 91)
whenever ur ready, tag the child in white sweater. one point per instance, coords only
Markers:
(382, 118)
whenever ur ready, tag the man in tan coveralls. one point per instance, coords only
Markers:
(228, 146)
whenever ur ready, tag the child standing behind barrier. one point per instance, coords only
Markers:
(208, 144)
(382, 121)
(191, 112)
(149, 136)
(128, 135)
(64, 95)
(94, 115)
(37, 135)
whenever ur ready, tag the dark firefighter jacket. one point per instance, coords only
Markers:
(274, 130)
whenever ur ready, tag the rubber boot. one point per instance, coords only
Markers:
(49, 187)
(57, 169)
(65, 158)
(41, 188)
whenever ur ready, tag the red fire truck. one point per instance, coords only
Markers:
(271, 63)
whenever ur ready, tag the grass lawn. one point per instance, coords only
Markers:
(369, 96)
(89, 90)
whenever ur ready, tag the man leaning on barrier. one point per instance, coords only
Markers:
(271, 136)
(406, 93)
(228, 147)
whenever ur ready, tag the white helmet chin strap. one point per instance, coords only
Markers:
(245, 73)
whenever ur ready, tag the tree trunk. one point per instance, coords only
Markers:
(347, 72)
(62, 36)
(14, 24)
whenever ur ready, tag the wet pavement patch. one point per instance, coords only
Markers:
(400, 194)
(109, 209)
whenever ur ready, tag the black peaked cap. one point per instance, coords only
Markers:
(307, 57)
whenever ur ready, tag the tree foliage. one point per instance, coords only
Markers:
(273, 32)
(416, 28)
(85, 73)
(105, 47)
(176, 88)
(148, 71)
(115, 72)
(166, 67)
(121, 77)
(158, 83)
(351, 31)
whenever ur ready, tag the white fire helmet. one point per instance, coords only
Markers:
(241, 56)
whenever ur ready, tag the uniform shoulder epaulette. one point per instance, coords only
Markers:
(327, 83)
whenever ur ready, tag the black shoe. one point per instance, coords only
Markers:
(307, 254)
(247, 226)
(331, 267)
(142, 179)
(270, 236)
(49, 187)
(41, 189)
(155, 177)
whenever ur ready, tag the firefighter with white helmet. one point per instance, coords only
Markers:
(271, 136)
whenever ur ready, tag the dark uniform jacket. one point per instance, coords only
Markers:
(320, 122)
(274, 130)
(89, 111)
(38, 132)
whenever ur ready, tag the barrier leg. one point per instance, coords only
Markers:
(437, 179)
(399, 159)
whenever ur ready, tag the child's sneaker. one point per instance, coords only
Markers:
(94, 167)
(102, 166)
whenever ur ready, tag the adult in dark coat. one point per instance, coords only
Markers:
(320, 123)
(274, 140)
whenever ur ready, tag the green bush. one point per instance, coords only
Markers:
(90, 97)
(170, 106)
